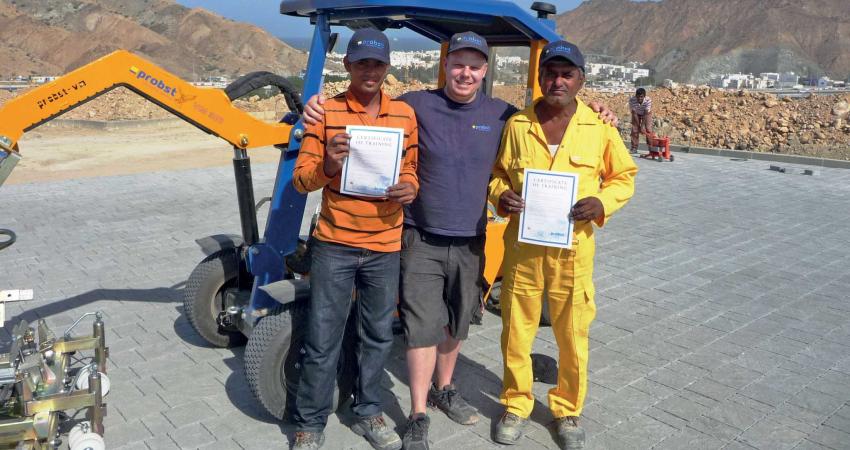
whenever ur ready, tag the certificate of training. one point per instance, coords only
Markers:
(549, 197)
(373, 162)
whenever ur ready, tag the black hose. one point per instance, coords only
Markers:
(8, 242)
(255, 80)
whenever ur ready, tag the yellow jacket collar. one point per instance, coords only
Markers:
(583, 116)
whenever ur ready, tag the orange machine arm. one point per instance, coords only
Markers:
(208, 109)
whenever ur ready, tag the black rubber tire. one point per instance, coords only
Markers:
(273, 357)
(494, 303)
(672, 158)
(203, 297)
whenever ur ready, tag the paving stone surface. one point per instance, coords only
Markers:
(723, 295)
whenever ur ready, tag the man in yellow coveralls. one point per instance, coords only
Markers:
(560, 133)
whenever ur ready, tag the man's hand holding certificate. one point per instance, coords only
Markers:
(373, 162)
(548, 198)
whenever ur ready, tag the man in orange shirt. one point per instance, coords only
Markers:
(357, 245)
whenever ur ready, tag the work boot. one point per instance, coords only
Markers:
(376, 431)
(416, 435)
(308, 440)
(509, 429)
(450, 402)
(570, 435)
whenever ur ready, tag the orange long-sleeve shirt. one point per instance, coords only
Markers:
(370, 223)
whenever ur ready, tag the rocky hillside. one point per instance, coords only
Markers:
(686, 40)
(52, 37)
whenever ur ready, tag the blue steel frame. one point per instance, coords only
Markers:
(265, 260)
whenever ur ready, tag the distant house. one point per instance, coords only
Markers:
(787, 80)
(39, 79)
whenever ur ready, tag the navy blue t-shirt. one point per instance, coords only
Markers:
(458, 144)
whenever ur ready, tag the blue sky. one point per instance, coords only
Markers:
(264, 13)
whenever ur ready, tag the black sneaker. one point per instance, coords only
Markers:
(376, 431)
(570, 435)
(308, 440)
(416, 435)
(509, 429)
(450, 402)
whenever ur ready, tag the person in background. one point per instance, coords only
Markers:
(640, 107)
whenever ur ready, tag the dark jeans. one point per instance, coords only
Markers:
(336, 271)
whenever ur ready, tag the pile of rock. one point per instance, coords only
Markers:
(755, 121)
(392, 86)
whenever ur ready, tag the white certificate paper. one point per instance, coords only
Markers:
(549, 197)
(373, 162)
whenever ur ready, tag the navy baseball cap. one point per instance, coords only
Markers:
(562, 49)
(469, 40)
(368, 43)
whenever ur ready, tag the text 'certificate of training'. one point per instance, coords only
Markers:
(549, 197)
(373, 162)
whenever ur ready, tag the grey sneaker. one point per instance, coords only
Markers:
(376, 431)
(416, 435)
(305, 440)
(450, 402)
(570, 435)
(509, 429)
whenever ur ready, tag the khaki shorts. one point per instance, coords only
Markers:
(440, 285)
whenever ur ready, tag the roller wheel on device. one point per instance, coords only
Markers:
(273, 360)
(494, 303)
(203, 297)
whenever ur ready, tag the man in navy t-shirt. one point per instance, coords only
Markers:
(443, 238)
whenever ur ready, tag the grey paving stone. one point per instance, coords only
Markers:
(671, 378)
(833, 383)
(161, 442)
(772, 435)
(127, 433)
(713, 427)
(188, 414)
(711, 389)
(816, 401)
(629, 401)
(642, 431)
(734, 376)
(765, 394)
(809, 445)
(690, 439)
(192, 436)
(838, 422)
(736, 415)
(133, 446)
(226, 444)
(682, 407)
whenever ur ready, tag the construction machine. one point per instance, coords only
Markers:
(249, 289)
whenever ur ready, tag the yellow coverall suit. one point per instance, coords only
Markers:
(596, 152)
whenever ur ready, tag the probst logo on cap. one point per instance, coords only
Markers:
(560, 49)
(371, 43)
(469, 39)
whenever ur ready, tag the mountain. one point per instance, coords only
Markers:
(52, 37)
(687, 40)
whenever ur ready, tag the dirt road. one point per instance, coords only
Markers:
(61, 152)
